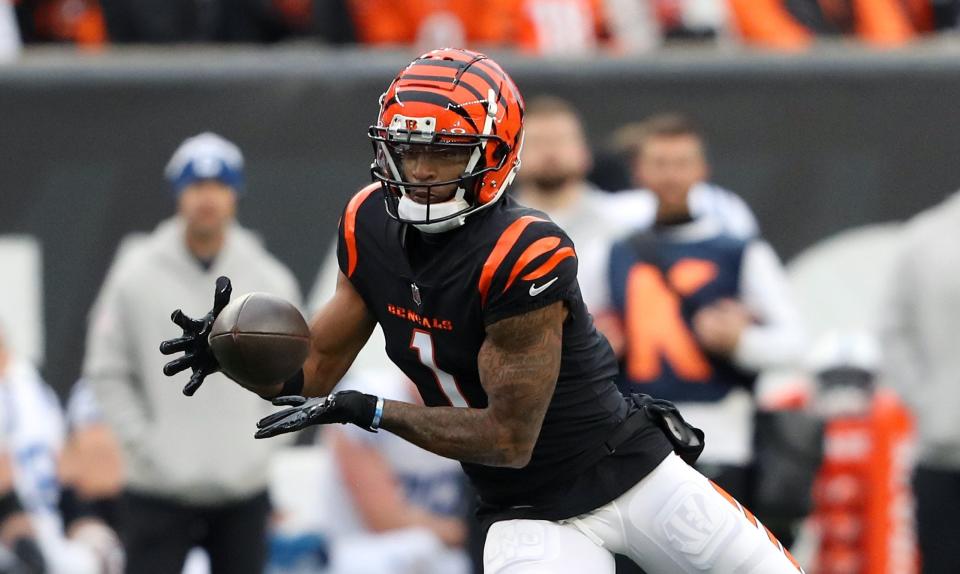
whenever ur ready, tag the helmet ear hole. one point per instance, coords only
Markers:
(500, 152)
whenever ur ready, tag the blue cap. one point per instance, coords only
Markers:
(205, 156)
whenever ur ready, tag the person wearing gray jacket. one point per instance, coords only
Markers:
(919, 337)
(195, 476)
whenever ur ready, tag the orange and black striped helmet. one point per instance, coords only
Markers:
(451, 97)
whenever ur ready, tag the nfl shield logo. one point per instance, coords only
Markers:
(415, 292)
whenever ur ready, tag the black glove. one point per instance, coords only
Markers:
(687, 440)
(197, 353)
(342, 407)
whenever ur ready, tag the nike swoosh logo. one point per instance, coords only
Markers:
(534, 290)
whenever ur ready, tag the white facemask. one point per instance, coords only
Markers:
(410, 209)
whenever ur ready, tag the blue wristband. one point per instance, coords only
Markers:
(377, 415)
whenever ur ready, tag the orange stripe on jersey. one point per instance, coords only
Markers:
(350, 225)
(549, 264)
(506, 242)
(536, 249)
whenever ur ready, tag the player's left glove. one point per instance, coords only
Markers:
(197, 354)
(687, 440)
(342, 407)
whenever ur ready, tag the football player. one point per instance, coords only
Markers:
(478, 300)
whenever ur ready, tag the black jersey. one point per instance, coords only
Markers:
(434, 297)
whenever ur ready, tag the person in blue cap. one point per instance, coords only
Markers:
(206, 175)
(192, 480)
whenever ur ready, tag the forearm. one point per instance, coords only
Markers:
(463, 434)
(518, 364)
(322, 372)
(337, 333)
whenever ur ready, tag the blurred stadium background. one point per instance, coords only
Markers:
(816, 143)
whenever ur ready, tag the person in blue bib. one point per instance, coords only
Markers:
(702, 311)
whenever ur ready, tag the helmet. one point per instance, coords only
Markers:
(854, 350)
(846, 366)
(449, 99)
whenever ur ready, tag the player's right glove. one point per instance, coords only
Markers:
(687, 440)
(342, 407)
(197, 354)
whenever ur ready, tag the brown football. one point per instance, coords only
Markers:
(260, 339)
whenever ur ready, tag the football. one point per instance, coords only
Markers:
(260, 339)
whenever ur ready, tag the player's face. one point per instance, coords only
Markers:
(208, 206)
(423, 164)
(554, 154)
(670, 166)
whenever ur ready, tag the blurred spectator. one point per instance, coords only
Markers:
(794, 24)
(637, 209)
(10, 43)
(32, 439)
(425, 23)
(192, 479)
(546, 27)
(74, 21)
(397, 508)
(556, 160)
(561, 27)
(84, 22)
(690, 19)
(704, 199)
(91, 468)
(919, 345)
(946, 14)
(702, 311)
(166, 21)
(19, 548)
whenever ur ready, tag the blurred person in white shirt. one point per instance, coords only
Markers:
(394, 507)
(556, 159)
(33, 433)
(10, 43)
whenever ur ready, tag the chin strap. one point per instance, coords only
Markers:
(411, 210)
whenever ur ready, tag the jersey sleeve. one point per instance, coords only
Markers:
(343, 261)
(532, 265)
(348, 255)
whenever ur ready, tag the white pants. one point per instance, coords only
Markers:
(673, 521)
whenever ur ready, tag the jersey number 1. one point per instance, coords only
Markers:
(422, 343)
